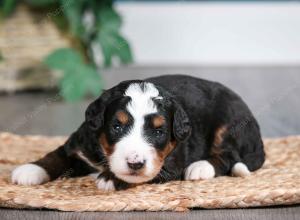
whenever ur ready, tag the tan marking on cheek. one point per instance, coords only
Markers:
(167, 149)
(159, 156)
(158, 121)
(107, 149)
(122, 117)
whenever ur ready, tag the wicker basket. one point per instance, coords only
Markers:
(25, 39)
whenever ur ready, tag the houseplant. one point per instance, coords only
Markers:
(93, 28)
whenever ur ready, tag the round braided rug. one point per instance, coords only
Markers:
(277, 183)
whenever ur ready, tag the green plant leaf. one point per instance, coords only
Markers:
(110, 20)
(93, 82)
(80, 82)
(73, 10)
(107, 46)
(7, 7)
(63, 59)
(123, 50)
(71, 87)
(114, 45)
(79, 79)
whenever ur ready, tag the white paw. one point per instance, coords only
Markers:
(29, 174)
(240, 169)
(105, 185)
(199, 170)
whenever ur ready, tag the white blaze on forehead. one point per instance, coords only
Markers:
(141, 102)
(134, 146)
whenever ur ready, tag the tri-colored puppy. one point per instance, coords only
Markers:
(156, 130)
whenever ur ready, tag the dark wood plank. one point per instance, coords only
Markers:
(286, 213)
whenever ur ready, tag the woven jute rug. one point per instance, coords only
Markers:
(277, 183)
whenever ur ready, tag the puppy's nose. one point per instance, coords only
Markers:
(136, 166)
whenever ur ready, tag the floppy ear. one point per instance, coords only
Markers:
(94, 115)
(181, 123)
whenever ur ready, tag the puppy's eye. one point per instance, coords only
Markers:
(117, 127)
(158, 132)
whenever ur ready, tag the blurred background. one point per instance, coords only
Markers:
(56, 56)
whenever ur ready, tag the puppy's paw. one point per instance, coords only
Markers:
(29, 174)
(240, 170)
(105, 184)
(199, 170)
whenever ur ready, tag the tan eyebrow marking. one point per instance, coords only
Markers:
(122, 117)
(158, 121)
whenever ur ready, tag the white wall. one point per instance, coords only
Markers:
(213, 33)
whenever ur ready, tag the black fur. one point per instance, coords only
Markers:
(195, 110)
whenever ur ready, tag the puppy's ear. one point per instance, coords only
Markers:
(181, 123)
(94, 115)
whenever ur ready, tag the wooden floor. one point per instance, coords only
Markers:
(271, 92)
(289, 213)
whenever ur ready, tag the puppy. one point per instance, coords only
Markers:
(156, 130)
